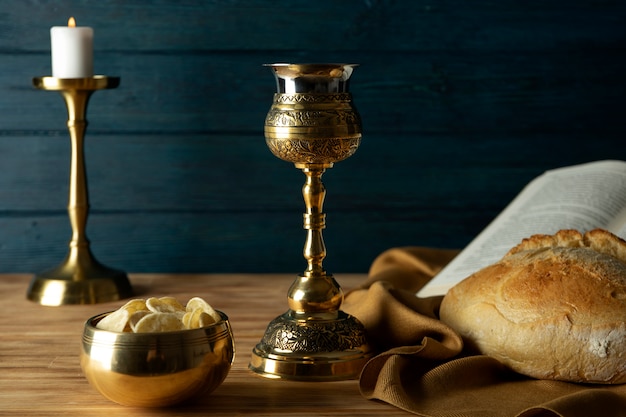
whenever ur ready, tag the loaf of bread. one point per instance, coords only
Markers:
(554, 307)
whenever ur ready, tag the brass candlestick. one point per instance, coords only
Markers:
(313, 124)
(80, 278)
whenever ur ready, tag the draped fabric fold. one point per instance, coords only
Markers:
(421, 366)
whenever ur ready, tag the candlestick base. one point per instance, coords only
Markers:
(80, 278)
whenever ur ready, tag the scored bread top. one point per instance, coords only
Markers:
(581, 276)
(599, 240)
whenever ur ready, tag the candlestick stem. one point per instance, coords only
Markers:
(80, 278)
(78, 204)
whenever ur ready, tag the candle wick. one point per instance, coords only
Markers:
(71, 22)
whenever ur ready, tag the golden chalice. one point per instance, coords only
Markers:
(313, 124)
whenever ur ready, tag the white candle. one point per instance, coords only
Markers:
(72, 51)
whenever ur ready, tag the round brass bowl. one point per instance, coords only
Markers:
(156, 369)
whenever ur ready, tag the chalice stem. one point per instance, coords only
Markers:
(78, 204)
(314, 193)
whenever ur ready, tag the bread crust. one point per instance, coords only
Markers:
(554, 307)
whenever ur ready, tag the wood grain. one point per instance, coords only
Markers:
(40, 372)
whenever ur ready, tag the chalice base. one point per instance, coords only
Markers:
(313, 349)
(79, 281)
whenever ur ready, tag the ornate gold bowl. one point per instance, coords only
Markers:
(156, 369)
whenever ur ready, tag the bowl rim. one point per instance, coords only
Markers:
(90, 326)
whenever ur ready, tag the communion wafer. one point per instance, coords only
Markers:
(118, 321)
(115, 322)
(162, 314)
(159, 322)
(164, 305)
(135, 317)
(199, 303)
(197, 318)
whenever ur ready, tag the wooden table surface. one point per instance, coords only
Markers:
(40, 372)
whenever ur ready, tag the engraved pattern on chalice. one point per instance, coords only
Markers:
(313, 338)
(325, 151)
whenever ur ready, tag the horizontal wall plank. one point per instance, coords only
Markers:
(324, 25)
(562, 92)
(201, 173)
(222, 242)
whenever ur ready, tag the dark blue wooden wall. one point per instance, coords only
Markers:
(463, 102)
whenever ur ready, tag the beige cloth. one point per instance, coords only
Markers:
(422, 369)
